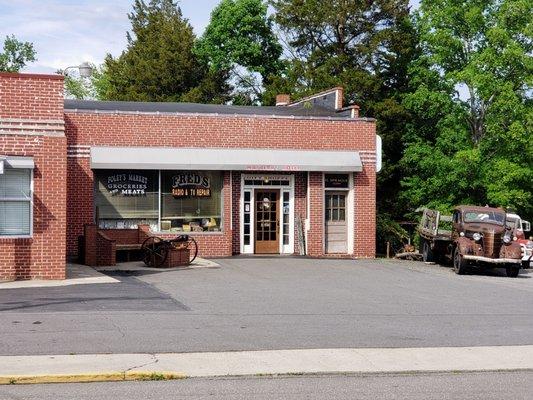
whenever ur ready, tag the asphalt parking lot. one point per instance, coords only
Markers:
(271, 303)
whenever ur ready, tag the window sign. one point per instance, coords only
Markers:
(336, 181)
(191, 185)
(127, 184)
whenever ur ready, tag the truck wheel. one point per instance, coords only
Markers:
(512, 271)
(427, 253)
(459, 263)
(525, 264)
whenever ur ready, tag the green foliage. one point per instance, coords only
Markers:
(239, 38)
(390, 231)
(470, 137)
(16, 54)
(241, 33)
(159, 63)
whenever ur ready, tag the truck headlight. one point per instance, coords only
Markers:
(477, 236)
(506, 239)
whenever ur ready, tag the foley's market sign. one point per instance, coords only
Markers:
(190, 184)
(127, 184)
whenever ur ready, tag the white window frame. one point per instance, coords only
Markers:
(20, 199)
(250, 249)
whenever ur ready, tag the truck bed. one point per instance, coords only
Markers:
(433, 226)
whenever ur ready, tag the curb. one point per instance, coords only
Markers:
(167, 376)
(96, 377)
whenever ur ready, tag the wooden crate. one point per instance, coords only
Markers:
(177, 258)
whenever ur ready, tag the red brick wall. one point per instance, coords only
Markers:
(31, 96)
(165, 130)
(315, 234)
(365, 213)
(27, 99)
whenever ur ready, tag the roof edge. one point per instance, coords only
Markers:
(22, 75)
(218, 115)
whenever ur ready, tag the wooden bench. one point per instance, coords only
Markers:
(101, 245)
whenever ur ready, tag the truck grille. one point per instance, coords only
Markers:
(491, 244)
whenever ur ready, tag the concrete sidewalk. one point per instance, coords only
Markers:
(76, 275)
(104, 367)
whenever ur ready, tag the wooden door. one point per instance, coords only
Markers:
(267, 221)
(336, 229)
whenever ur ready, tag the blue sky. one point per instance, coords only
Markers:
(66, 33)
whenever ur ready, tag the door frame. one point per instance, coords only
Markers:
(289, 188)
(350, 211)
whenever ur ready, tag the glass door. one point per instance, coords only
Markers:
(267, 213)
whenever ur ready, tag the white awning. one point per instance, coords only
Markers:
(15, 162)
(166, 158)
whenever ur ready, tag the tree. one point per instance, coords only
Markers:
(470, 137)
(16, 54)
(239, 39)
(158, 64)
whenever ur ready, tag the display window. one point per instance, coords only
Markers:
(191, 201)
(168, 201)
(125, 199)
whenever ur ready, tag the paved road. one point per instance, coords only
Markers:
(271, 303)
(486, 386)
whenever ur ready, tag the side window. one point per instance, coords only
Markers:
(15, 202)
(456, 217)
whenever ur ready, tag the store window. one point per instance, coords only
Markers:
(15, 202)
(191, 201)
(125, 199)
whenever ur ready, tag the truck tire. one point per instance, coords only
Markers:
(512, 271)
(460, 265)
(427, 253)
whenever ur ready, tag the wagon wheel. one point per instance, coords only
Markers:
(154, 251)
(193, 249)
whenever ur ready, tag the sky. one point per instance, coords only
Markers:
(68, 32)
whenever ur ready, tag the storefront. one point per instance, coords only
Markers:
(292, 179)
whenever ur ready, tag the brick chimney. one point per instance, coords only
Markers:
(283, 99)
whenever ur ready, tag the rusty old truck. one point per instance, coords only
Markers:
(471, 237)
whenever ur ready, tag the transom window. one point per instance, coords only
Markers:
(268, 180)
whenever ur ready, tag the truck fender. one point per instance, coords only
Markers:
(464, 245)
(512, 250)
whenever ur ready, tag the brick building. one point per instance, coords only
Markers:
(294, 178)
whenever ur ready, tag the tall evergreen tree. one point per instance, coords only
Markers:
(159, 63)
